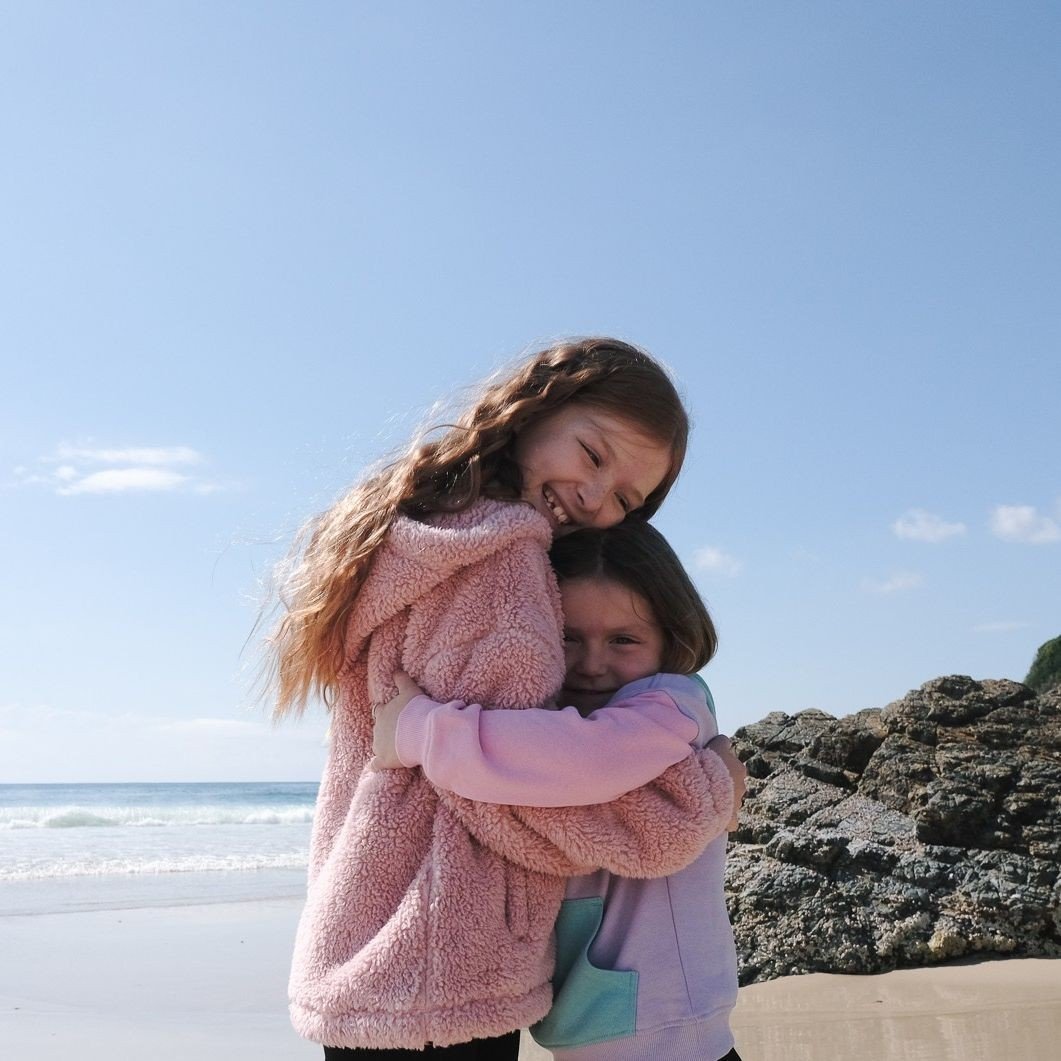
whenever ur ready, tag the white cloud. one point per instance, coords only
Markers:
(716, 562)
(895, 583)
(919, 525)
(1023, 523)
(88, 469)
(125, 480)
(152, 455)
(1000, 628)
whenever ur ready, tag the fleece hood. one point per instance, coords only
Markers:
(419, 556)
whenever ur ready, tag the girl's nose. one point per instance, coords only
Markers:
(591, 497)
(591, 662)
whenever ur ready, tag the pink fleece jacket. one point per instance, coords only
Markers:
(429, 917)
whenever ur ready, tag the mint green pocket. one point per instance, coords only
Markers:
(590, 1005)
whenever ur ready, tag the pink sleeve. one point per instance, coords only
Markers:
(541, 757)
(653, 831)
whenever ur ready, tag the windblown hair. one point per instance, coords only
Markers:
(472, 458)
(637, 556)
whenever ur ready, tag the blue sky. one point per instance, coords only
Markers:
(246, 246)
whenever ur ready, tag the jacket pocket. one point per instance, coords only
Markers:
(517, 915)
(590, 1004)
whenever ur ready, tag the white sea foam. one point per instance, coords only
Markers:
(51, 869)
(65, 847)
(75, 817)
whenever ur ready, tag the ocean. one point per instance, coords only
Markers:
(90, 847)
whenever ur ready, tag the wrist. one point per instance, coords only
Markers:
(410, 735)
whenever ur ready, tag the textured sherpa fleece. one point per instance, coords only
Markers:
(429, 917)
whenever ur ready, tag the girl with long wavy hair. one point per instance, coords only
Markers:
(428, 920)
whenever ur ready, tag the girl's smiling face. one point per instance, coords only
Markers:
(611, 637)
(585, 468)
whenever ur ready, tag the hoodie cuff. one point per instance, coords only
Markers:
(410, 738)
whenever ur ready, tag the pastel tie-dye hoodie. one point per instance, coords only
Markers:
(429, 917)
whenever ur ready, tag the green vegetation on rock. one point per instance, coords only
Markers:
(1045, 671)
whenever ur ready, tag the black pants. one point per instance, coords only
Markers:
(503, 1048)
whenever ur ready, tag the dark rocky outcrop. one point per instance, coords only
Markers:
(921, 832)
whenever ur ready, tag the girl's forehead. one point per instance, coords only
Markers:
(619, 430)
(600, 601)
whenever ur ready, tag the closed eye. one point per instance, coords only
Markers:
(592, 454)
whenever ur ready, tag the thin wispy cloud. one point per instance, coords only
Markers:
(920, 526)
(895, 583)
(714, 561)
(151, 455)
(87, 469)
(1001, 627)
(124, 480)
(1024, 523)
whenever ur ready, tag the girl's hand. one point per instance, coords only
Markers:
(385, 729)
(722, 747)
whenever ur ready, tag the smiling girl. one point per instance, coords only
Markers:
(429, 917)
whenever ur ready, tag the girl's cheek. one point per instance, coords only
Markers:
(650, 662)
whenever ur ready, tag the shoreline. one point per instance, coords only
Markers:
(167, 981)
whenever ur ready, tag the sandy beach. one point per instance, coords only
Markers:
(209, 981)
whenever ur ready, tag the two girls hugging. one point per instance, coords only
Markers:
(531, 831)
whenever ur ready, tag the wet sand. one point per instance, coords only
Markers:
(210, 982)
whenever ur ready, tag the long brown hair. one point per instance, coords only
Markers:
(319, 581)
(637, 556)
